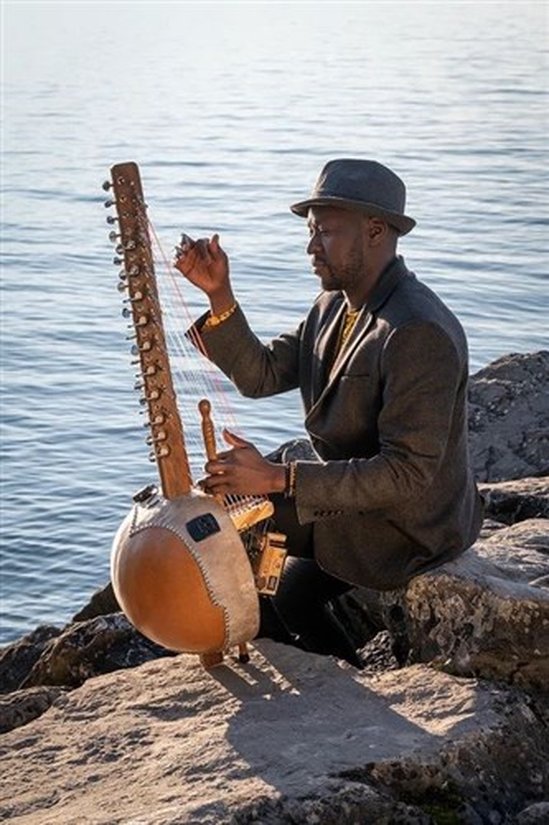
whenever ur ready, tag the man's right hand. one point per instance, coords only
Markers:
(206, 265)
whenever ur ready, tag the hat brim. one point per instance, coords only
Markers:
(402, 223)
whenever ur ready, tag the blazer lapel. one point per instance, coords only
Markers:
(326, 373)
(363, 324)
(325, 349)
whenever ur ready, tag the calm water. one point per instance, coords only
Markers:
(231, 110)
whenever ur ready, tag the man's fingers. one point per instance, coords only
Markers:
(235, 440)
(217, 467)
(203, 251)
(186, 242)
(216, 485)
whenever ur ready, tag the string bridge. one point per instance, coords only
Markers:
(244, 511)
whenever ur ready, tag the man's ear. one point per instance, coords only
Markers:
(377, 231)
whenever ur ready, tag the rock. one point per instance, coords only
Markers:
(378, 654)
(509, 418)
(537, 814)
(512, 501)
(484, 614)
(17, 659)
(23, 706)
(519, 552)
(289, 737)
(102, 603)
(86, 649)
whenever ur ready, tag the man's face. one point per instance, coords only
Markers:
(336, 246)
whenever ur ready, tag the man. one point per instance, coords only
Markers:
(381, 364)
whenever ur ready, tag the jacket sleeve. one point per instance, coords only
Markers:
(422, 378)
(256, 369)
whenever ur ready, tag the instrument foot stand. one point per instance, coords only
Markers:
(267, 557)
(209, 660)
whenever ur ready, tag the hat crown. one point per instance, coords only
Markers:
(361, 180)
(366, 185)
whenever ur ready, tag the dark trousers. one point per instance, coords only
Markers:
(300, 612)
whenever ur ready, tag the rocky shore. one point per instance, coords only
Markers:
(447, 723)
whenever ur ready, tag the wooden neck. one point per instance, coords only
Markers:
(139, 280)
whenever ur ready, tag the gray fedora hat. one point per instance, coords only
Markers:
(365, 185)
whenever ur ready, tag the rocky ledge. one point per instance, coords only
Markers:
(447, 723)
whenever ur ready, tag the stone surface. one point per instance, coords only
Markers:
(17, 659)
(517, 500)
(537, 814)
(509, 418)
(290, 737)
(90, 648)
(519, 552)
(102, 602)
(22, 706)
(484, 614)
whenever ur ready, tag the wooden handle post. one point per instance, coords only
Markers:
(208, 432)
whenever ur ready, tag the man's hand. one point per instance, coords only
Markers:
(206, 265)
(243, 471)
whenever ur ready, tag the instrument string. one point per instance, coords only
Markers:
(204, 377)
(207, 377)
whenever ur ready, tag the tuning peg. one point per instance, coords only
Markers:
(121, 247)
(111, 219)
(122, 286)
(126, 274)
(155, 439)
(106, 185)
(162, 452)
(113, 236)
(136, 349)
(126, 312)
(154, 422)
(117, 261)
(151, 369)
(137, 296)
(154, 395)
(107, 204)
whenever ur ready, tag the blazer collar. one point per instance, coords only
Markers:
(391, 276)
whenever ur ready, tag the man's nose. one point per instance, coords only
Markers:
(314, 242)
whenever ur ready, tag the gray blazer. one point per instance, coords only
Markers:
(392, 493)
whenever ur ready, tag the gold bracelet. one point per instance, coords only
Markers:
(215, 320)
(291, 472)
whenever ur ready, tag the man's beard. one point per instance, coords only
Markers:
(344, 276)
